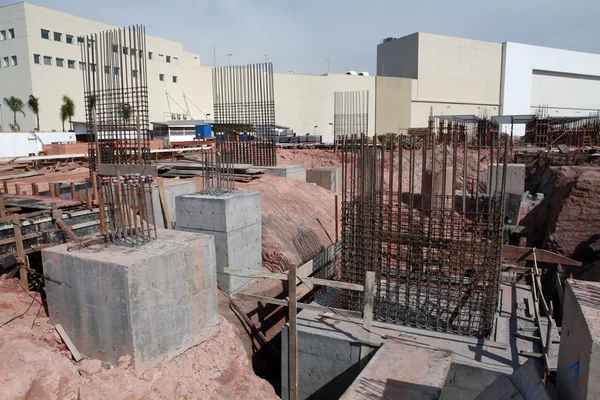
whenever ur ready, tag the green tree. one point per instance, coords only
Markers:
(15, 105)
(67, 111)
(34, 106)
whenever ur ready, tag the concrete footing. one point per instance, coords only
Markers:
(577, 374)
(152, 302)
(297, 172)
(235, 221)
(327, 178)
(514, 186)
(173, 188)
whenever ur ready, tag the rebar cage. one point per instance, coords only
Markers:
(116, 96)
(430, 228)
(244, 106)
(571, 131)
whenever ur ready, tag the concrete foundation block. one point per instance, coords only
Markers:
(578, 372)
(173, 188)
(327, 178)
(235, 221)
(515, 178)
(152, 302)
(297, 172)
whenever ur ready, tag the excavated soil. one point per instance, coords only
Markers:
(35, 364)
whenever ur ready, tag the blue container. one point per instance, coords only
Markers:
(243, 136)
(220, 137)
(203, 131)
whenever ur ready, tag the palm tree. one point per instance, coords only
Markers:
(126, 112)
(15, 105)
(34, 106)
(67, 110)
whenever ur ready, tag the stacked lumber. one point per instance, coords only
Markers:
(16, 171)
(236, 172)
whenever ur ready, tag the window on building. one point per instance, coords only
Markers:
(36, 58)
(11, 33)
(45, 34)
(175, 60)
(47, 60)
(161, 57)
(116, 70)
(93, 67)
(13, 61)
(69, 39)
(71, 64)
(174, 79)
(5, 61)
(81, 65)
(106, 69)
(2, 35)
(168, 59)
(134, 73)
(115, 48)
(149, 55)
(161, 77)
(125, 50)
(57, 37)
(60, 62)
(80, 40)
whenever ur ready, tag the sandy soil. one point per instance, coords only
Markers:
(34, 364)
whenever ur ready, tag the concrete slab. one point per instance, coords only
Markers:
(402, 371)
(173, 188)
(327, 178)
(151, 302)
(235, 221)
(525, 383)
(476, 362)
(297, 172)
(578, 372)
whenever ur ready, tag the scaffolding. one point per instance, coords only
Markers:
(427, 221)
(244, 101)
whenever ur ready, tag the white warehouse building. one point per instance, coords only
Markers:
(418, 74)
(450, 75)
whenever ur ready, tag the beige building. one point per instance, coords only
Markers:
(444, 76)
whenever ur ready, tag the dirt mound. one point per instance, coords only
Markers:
(310, 158)
(568, 220)
(34, 364)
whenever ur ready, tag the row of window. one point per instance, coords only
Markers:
(69, 39)
(6, 34)
(8, 61)
(163, 58)
(60, 62)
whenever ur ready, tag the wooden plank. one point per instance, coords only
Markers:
(70, 345)
(127, 169)
(60, 223)
(27, 174)
(20, 250)
(95, 187)
(2, 208)
(73, 191)
(293, 335)
(531, 338)
(284, 277)
(559, 289)
(526, 253)
(163, 202)
(5, 185)
(367, 315)
(531, 354)
(285, 303)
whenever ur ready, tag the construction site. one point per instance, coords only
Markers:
(453, 260)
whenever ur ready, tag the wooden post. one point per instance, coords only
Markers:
(337, 229)
(95, 187)
(2, 208)
(88, 195)
(34, 189)
(163, 202)
(367, 315)
(51, 189)
(73, 191)
(17, 189)
(20, 251)
(5, 185)
(293, 334)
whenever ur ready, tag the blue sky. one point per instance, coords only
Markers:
(300, 35)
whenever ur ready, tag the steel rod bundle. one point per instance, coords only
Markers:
(425, 219)
(244, 105)
(128, 204)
